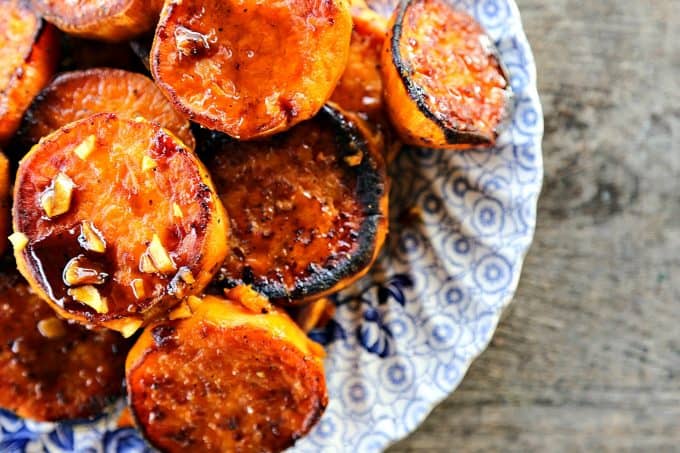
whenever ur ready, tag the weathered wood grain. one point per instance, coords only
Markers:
(588, 356)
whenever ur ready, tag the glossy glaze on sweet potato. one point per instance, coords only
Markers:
(106, 20)
(444, 84)
(49, 369)
(250, 68)
(29, 50)
(143, 223)
(308, 208)
(78, 94)
(225, 379)
(5, 202)
(360, 87)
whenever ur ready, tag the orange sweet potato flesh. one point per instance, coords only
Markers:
(5, 202)
(360, 87)
(308, 208)
(64, 371)
(225, 380)
(444, 84)
(137, 182)
(79, 94)
(250, 68)
(106, 20)
(29, 49)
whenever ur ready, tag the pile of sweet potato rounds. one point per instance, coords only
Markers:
(198, 176)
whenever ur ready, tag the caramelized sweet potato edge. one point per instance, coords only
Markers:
(417, 94)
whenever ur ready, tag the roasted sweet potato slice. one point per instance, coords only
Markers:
(445, 86)
(250, 68)
(308, 208)
(79, 94)
(51, 369)
(225, 379)
(29, 50)
(5, 202)
(360, 87)
(115, 220)
(106, 20)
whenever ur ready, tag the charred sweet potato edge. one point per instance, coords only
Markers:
(452, 136)
(24, 137)
(372, 194)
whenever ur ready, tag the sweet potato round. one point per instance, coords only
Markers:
(79, 94)
(136, 189)
(51, 370)
(106, 20)
(360, 88)
(5, 202)
(444, 84)
(29, 50)
(308, 208)
(250, 68)
(224, 380)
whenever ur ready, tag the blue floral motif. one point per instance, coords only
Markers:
(403, 337)
(394, 288)
(374, 334)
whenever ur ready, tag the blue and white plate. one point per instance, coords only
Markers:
(403, 338)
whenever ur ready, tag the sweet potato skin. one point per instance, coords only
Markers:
(74, 374)
(215, 61)
(78, 94)
(308, 208)
(225, 379)
(128, 205)
(106, 20)
(419, 77)
(29, 56)
(5, 203)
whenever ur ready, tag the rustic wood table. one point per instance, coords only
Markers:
(587, 357)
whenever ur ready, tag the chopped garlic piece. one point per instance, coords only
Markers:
(177, 211)
(181, 312)
(130, 327)
(89, 295)
(51, 328)
(138, 288)
(194, 302)
(81, 271)
(159, 256)
(56, 200)
(91, 238)
(148, 163)
(84, 149)
(19, 241)
(146, 265)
